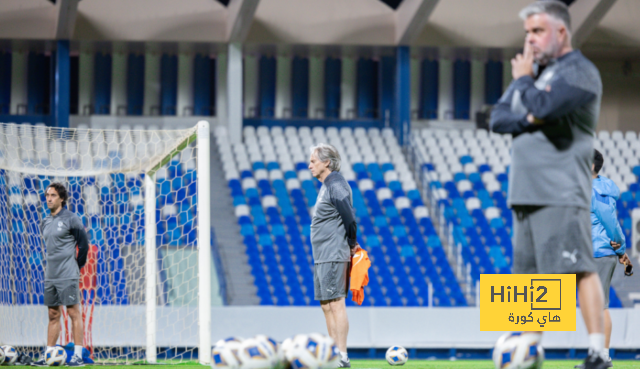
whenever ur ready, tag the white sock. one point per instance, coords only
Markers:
(596, 343)
(605, 354)
(77, 350)
(344, 356)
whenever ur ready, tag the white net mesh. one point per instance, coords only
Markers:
(103, 171)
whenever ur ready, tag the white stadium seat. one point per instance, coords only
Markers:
(348, 176)
(383, 194)
(630, 136)
(248, 183)
(473, 203)
(249, 131)
(365, 184)
(464, 185)
(390, 175)
(617, 135)
(262, 131)
(276, 132)
(292, 183)
(493, 187)
(403, 203)
(275, 174)
(604, 135)
(492, 213)
(304, 175)
(420, 212)
(260, 174)
(269, 201)
(409, 185)
(241, 210)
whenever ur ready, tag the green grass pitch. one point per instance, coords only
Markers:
(415, 364)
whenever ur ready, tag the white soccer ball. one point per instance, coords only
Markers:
(283, 349)
(518, 351)
(56, 356)
(332, 357)
(257, 354)
(396, 355)
(269, 342)
(225, 354)
(313, 351)
(10, 355)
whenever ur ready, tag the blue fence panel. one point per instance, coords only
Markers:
(201, 85)
(332, 81)
(102, 84)
(135, 84)
(493, 82)
(300, 87)
(267, 86)
(429, 89)
(367, 88)
(461, 89)
(5, 83)
(168, 84)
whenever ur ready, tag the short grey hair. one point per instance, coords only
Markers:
(554, 8)
(326, 152)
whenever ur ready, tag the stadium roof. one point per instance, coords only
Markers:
(606, 25)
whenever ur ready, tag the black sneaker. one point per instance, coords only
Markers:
(40, 362)
(609, 363)
(594, 361)
(76, 361)
(344, 364)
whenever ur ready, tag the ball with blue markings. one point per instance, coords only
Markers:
(10, 355)
(518, 351)
(396, 355)
(312, 351)
(225, 354)
(56, 356)
(257, 353)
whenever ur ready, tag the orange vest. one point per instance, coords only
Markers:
(360, 264)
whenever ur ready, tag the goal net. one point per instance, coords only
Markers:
(143, 196)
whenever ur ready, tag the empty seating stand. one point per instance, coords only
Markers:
(468, 175)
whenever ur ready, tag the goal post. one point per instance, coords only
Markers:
(144, 198)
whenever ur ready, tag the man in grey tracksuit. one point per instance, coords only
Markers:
(333, 239)
(62, 231)
(551, 108)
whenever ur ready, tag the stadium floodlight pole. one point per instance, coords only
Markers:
(204, 243)
(150, 263)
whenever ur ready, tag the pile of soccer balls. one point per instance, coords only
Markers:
(53, 357)
(303, 351)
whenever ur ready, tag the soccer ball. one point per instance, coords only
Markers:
(396, 355)
(269, 342)
(56, 356)
(518, 351)
(313, 351)
(283, 349)
(10, 355)
(257, 354)
(332, 357)
(225, 354)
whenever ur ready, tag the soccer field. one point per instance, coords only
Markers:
(426, 364)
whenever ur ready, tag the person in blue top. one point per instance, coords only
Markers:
(608, 239)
